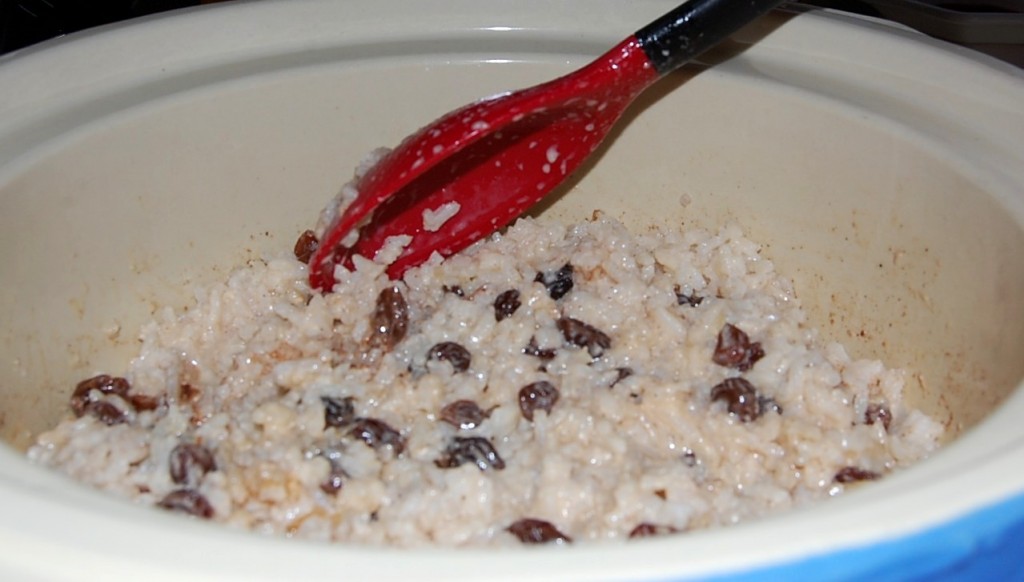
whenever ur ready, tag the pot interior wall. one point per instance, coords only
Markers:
(896, 250)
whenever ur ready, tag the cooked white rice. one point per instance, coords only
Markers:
(433, 220)
(244, 372)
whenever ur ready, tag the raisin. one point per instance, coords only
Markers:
(335, 477)
(584, 335)
(390, 320)
(142, 402)
(532, 349)
(646, 530)
(464, 414)
(506, 304)
(189, 462)
(338, 412)
(735, 350)
(540, 395)
(854, 474)
(693, 300)
(104, 384)
(305, 246)
(536, 531)
(106, 412)
(476, 450)
(766, 403)
(878, 413)
(333, 483)
(377, 433)
(558, 283)
(188, 393)
(620, 375)
(453, 353)
(689, 457)
(741, 397)
(187, 501)
(454, 290)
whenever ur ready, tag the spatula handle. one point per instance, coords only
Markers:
(690, 29)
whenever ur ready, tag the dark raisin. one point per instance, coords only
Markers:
(377, 433)
(305, 246)
(540, 395)
(104, 384)
(189, 462)
(338, 412)
(735, 350)
(506, 304)
(741, 397)
(142, 402)
(476, 450)
(621, 374)
(188, 393)
(532, 349)
(584, 335)
(187, 501)
(646, 530)
(335, 477)
(106, 412)
(878, 413)
(453, 353)
(683, 299)
(536, 531)
(854, 474)
(766, 403)
(332, 484)
(454, 290)
(464, 414)
(390, 320)
(558, 283)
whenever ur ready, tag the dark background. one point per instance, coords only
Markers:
(25, 22)
(995, 27)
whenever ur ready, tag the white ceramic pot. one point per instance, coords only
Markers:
(885, 172)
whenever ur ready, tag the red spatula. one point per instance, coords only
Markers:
(486, 163)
